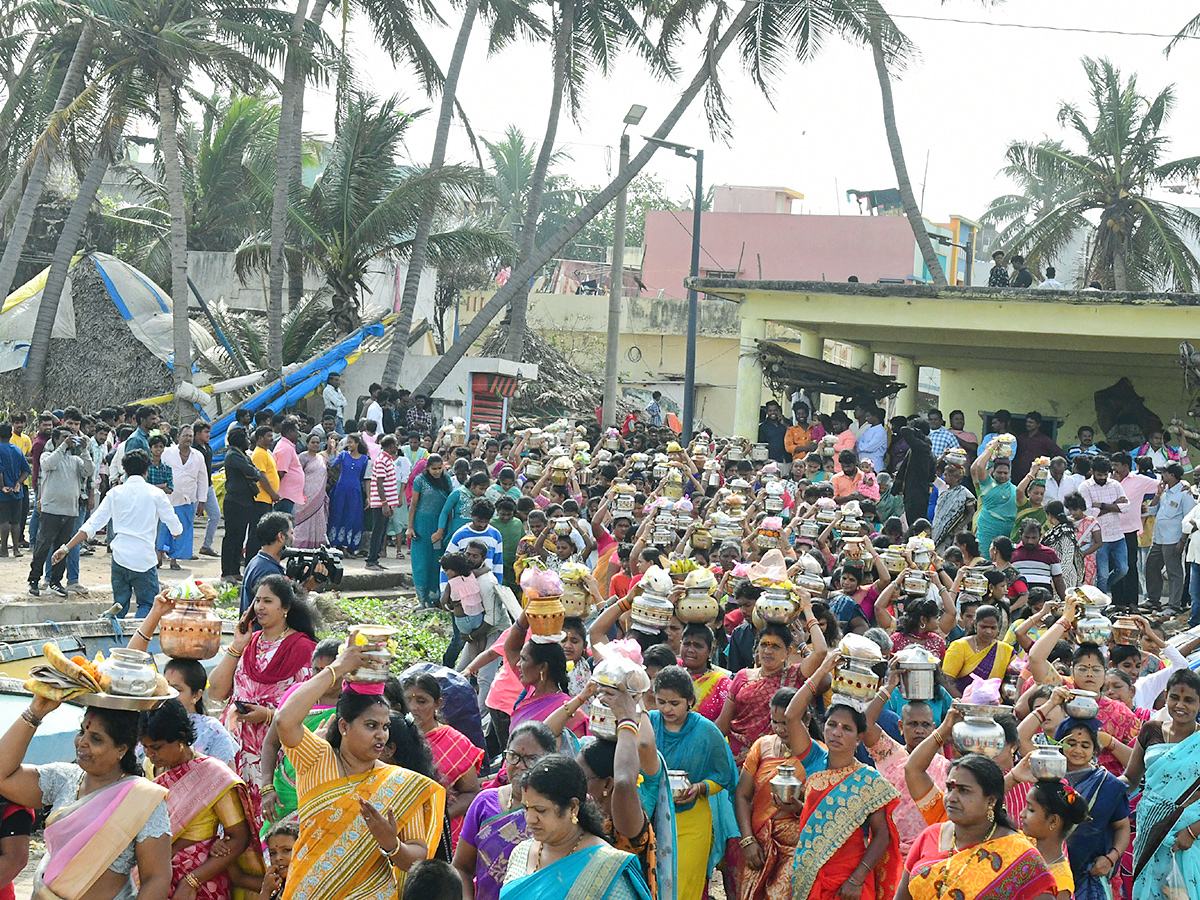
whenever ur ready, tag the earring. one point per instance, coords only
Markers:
(574, 818)
(991, 814)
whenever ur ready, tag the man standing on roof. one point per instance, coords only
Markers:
(334, 399)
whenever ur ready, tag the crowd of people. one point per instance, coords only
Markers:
(279, 772)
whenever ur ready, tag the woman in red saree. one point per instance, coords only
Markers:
(978, 854)
(747, 713)
(458, 760)
(847, 837)
(206, 798)
(257, 668)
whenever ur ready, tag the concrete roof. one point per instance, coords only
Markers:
(737, 289)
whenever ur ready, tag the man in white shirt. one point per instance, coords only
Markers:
(1051, 283)
(334, 399)
(1061, 482)
(375, 413)
(135, 509)
(872, 443)
(190, 477)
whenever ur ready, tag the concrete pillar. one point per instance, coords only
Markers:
(811, 343)
(906, 374)
(750, 378)
(862, 358)
(959, 392)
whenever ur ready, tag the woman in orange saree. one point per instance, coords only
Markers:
(771, 827)
(363, 823)
(847, 837)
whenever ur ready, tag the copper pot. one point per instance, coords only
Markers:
(191, 630)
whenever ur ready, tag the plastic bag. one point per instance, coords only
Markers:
(982, 691)
(771, 569)
(1175, 885)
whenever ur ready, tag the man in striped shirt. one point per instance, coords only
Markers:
(1105, 500)
(480, 529)
(383, 496)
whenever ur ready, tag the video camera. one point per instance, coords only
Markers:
(301, 565)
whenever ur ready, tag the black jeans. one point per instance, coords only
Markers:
(237, 521)
(253, 544)
(53, 532)
(379, 526)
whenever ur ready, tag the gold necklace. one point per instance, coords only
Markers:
(954, 838)
(541, 847)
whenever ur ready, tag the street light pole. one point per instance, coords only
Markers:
(616, 278)
(689, 370)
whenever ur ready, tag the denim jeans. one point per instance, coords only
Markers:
(285, 506)
(212, 514)
(126, 583)
(1194, 589)
(1112, 562)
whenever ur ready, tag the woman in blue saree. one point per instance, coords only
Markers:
(1095, 847)
(691, 743)
(1168, 814)
(566, 857)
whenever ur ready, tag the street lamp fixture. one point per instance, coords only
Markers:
(968, 248)
(689, 369)
(634, 116)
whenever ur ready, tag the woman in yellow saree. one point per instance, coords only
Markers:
(205, 795)
(978, 854)
(363, 824)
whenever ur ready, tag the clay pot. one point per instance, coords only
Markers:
(191, 630)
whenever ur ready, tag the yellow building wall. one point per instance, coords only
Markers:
(1061, 392)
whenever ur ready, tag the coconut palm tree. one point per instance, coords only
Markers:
(1037, 194)
(44, 152)
(588, 34)
(1138, 242)
(908, 198)
(231, 156)
(168, 40)
(364, 206)
(773, 31)
(507, 18)
(397, 28)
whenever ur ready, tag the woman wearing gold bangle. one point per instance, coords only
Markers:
(258, 668)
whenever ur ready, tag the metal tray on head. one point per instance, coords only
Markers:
(121, 701)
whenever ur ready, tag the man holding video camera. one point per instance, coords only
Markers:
(274, 532)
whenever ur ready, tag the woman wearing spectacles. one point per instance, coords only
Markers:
(495, 822)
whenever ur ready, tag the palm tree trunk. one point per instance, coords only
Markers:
(36, 183)
(1120, 263)
(68, 241)
(515, 344)
(591, 209)
(420, 245)
(907, 197)
(168, 138)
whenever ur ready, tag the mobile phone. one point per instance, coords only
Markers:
(241, 706)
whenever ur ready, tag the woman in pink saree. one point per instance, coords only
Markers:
(311, 517)
(542, 668)
(104, 817)
(257, 668)
(206, 800)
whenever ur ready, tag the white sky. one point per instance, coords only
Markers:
(974, 88)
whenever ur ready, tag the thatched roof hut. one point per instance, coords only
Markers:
(105, 364)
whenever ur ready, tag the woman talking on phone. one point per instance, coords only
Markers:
(256, 670)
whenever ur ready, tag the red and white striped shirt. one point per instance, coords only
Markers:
(383, 467)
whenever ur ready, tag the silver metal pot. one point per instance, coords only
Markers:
(918, 673)
(1048, 763)
(977, 734)
(1082, 705)
(785, 786)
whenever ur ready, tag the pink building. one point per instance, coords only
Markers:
(774, 246)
